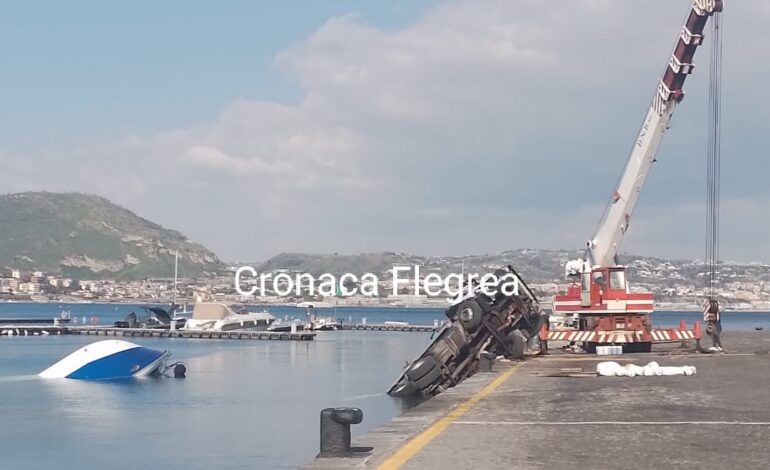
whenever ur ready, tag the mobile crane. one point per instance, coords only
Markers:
(599, 296)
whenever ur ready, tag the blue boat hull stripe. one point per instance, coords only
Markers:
(121, 365)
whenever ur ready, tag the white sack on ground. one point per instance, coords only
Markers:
(613, 369)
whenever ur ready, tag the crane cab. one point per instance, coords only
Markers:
(603, 308)
(603, 285)
(603, 290)
(604, 311)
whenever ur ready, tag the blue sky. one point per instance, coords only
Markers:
(367, 126)
(81, 68)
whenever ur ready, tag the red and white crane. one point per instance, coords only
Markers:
(608, 312)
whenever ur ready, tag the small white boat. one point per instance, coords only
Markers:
(311, 305)
(282, 327)
(318, 323)
(326, 324)
(224, 317)
(108, 359)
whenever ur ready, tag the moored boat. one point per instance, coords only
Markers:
(224, 317)
(284, 327)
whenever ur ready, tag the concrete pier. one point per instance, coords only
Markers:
(550, 412)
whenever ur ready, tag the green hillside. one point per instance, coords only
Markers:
(87, 236)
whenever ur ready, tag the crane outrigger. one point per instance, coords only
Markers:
(607, 311)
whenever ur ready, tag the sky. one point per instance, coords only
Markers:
(436, 128)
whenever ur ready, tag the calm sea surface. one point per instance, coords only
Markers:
(242, 405)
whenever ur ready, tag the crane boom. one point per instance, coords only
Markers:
(599, 308)
(603, 247)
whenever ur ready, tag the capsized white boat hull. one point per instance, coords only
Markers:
(108, 359)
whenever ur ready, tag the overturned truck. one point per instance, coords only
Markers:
(483, 323)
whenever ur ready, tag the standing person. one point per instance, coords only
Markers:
(713, 320)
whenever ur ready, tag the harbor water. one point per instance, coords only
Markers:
(243, 405)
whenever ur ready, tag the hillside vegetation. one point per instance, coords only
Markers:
(87, 236)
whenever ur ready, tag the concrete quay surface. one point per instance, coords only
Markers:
(549, 412)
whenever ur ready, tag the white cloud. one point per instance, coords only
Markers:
(482, 126)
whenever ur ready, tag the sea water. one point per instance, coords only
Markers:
(244, 404)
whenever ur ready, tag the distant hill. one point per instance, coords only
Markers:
(86, 236)
(669, 280)
(536, 265)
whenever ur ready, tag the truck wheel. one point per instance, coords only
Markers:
(428, 379)
(469, 313)
(518, 342)
(404, 389)
(421, 368)
(590, 347)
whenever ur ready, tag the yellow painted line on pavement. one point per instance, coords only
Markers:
(414, 446)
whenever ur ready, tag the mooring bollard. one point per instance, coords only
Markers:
(486, 360)
(335, 430)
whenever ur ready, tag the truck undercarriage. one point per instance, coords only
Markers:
(480, 326)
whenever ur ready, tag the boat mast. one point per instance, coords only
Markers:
(176, 272)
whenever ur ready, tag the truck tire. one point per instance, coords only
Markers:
(428, 379)
(590, 347)
(518, 343)
(405, 389)
(469, 313)
(421, 368)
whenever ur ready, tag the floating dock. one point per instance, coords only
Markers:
(542, 413)
(386, 327)
(42, 330)
(26, 329)
(33, 321)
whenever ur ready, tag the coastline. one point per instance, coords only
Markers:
(439, 304)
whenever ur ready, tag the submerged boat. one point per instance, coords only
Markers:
(109, 359)
(224, 317)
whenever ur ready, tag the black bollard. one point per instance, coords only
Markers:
(335, 430)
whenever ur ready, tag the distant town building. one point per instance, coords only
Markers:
(29, 287)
